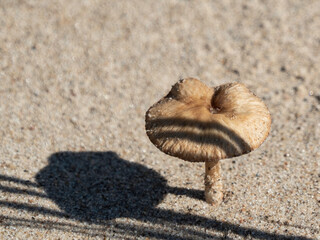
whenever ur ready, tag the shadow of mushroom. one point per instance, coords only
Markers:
(96, 186)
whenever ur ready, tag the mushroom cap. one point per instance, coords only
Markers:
(197, 123)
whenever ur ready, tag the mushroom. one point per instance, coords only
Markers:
(201, 124)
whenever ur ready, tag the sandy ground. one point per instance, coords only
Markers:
(76, 78)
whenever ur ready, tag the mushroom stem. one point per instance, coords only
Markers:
(213, 183)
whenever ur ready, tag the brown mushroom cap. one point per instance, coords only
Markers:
(197, 123)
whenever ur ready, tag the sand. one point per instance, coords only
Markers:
(76, 78)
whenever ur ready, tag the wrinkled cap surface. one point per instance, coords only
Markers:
(197, 123)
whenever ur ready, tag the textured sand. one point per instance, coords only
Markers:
(76, 78)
